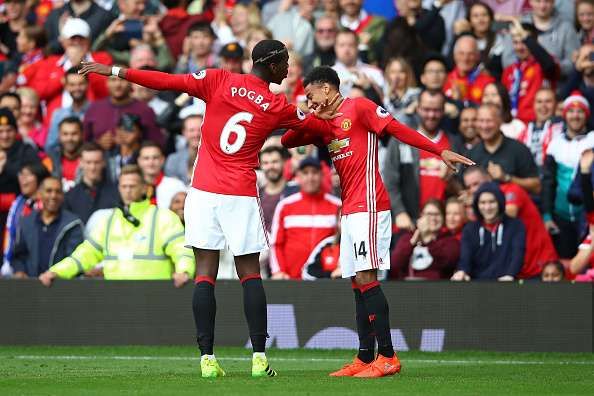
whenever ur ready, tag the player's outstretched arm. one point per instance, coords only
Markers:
(147, 78)
(413, 138)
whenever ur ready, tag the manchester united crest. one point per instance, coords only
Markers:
(346, 124)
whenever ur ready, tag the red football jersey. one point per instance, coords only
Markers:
(353, 149)
(241, 113)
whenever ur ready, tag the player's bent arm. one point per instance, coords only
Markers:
(293, 138)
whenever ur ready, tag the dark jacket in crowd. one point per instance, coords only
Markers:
(68, 234)
(83, 200)
(491, 254)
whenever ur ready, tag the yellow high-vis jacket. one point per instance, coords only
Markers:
(153, 250)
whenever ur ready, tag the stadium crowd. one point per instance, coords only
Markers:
(93, 170)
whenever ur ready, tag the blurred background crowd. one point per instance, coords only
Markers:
(92, 169)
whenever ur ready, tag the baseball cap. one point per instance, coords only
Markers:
(7, 118)
(231, 50)
(310, 161)
(128, 121)
(75, 27)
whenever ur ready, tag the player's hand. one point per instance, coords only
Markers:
(460, 276)
(47, 278)
(180, 279)
(94, 67)
(280, 276)
(451, 159)
(505, 278)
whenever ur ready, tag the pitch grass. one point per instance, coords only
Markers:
(139, 370)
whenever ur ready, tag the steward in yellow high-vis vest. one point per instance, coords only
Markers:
(136, 241)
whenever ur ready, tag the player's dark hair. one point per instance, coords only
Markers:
(11, 95)
(267, 52)
(150, 144)
(274, 149)
(322, 74)
(203, 27)
(71, 120)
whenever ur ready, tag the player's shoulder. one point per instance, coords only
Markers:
(211, 74)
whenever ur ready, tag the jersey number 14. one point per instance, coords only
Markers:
(233, 126)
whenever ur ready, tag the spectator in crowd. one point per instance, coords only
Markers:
(94, 190)
(12, 102)
(294, 27)
(30, 127)
(496, 94)
(143, 56)
(47, 235)
(31, 41)
(506, 160)
(351, 70)
(103, 115)
(198, 52)
(324, 39)
(434, 73)
(480, 25)
(128, 134)
(290, 173)
(177, 204)
(160, 188)
(540, 132)
(401, 40)
(427, 23)
(582, 77)
(96, 17)
(455, 217)
(62, 161)
(231, 57)
(13, 155)
(368, 28)
(584, 15)
(46, 77)
(180, 163)
(30, 177)
(508, 8)
(553, 271)
(493, 246)
(136, 241)
(243, 19)
(412, 176)
(255, 35)
(76, 85)
(15, 19)
(308, 216)
(177, 21)
(323, 262)
(430, 252)
(562, 159)
(292, 86)
(272, 163)
(518, 204)
(401, 91)
(468, 79)
(467, 127)
(534, 69)
(556, 36)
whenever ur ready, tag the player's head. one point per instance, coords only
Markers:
(321, 84)
(271, 60)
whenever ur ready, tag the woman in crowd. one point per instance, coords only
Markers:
(496, 94)
(431, 252)
(401, 91)
(584, 20)
(30, 126)
(455, 217)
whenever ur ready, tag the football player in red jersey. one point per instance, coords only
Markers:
(222, 207)
(366, 222)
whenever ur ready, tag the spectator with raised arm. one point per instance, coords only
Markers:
(582, 77)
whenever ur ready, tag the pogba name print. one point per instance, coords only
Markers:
(251, 95)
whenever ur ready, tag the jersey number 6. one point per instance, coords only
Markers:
(233, 126)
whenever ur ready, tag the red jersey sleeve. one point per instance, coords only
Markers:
(513, 196)
(291, 117)
(293, 138)
(375, 118)
(202, 85)
(411, 137)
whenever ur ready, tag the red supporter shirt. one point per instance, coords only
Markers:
(352, 144)
(241, 113)
(539, 246)
(69, 168)
(432, 185)
(470, 86)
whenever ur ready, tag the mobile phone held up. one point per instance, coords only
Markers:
(133, 29)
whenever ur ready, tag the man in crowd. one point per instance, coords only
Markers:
(582, 77)
(369, 28)
(62, 161)
(413, 176)
(48, 235)
(467, 127)
(294, 27)
(128, 134)
(231, 57)
(272, 163)
(160, 188)
(324, 40)
(136, 241)
(77, 86)
(308, 216)
(180, 163)
(506, 160)
(94, 190)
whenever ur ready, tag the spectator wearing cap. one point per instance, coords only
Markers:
(582, 77)
(176, 22)
(294, 27)
(198, 51)
(180, 163)
(47, 76)
(308, 216)
(103, 115)
(326, 28)
(128, 135)
(13, 155)
(231, 57)
(16, 20)
(562, 218)
(94, 190)
(62, 161)
(96, 17)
